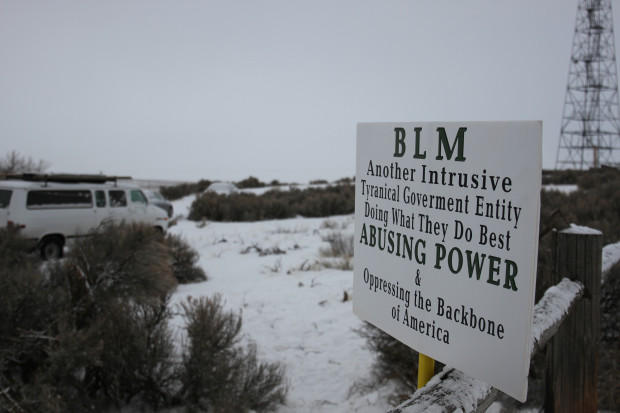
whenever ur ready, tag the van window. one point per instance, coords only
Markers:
(117, 198)
(5, 198)
(100, 199)
(137, 196)
(49, 199)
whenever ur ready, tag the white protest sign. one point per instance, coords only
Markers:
(446, 239)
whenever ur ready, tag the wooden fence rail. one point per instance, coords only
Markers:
(583, 258)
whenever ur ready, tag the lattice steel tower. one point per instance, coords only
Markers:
(590, 130)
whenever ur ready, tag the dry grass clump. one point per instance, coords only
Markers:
(340, 245)
(339, 252)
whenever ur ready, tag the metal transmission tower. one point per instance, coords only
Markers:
(590, 130)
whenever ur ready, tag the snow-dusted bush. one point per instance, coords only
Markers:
(219, 374)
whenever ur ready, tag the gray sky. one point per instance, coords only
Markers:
(174, 89)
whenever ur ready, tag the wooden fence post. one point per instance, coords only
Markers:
(572, 354)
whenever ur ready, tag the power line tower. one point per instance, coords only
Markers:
(590, 129)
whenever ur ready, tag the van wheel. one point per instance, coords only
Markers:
(51, 248)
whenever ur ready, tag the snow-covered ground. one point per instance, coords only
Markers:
(292, 307)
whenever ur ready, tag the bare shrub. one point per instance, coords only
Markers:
(15, 163)
(220, 375)
(124, 261)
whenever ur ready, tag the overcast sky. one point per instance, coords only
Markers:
(174, 89)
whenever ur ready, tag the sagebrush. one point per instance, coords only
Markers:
(91, 332)
(274, 204)
(179, 191)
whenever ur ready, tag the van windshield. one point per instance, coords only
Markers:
(5, 198)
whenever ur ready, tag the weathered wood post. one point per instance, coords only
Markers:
(572, 355)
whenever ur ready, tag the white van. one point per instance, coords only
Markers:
(50, 209)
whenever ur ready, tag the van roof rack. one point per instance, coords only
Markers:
(65, 178)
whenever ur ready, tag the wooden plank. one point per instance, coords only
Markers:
(572, 356)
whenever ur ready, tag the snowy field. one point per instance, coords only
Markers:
(292, 307)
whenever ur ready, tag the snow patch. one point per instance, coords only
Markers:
(553, 306)
(580, 230)
(566, 189)
(611, 255)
